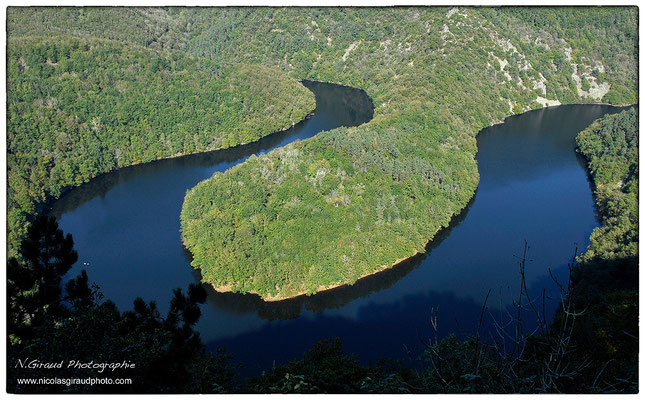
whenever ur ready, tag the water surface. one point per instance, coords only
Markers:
(533, 187)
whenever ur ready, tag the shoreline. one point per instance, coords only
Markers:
(321, 289)
(48, 203)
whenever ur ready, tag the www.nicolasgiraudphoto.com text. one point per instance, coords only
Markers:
(97, 366)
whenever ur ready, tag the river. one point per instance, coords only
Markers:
(533, 187)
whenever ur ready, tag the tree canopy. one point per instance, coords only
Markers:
(80, 107)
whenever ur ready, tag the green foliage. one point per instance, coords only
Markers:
(152, 27)
(469, 366)
(607, 331)
(34, 294)
(44, 325)
(351, 202)
(605, 34)
(610, 146)
(78, 108)
(325, 368)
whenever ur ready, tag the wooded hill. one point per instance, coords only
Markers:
(347, 202)
(80, 107)
(610, 145)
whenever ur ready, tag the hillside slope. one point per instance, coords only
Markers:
(610, 146)
(350, 202)
(80, 107)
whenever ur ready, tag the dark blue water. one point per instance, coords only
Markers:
(533, 187)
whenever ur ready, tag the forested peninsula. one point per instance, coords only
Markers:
(94, 89)
(350, 202)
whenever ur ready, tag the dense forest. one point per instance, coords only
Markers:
(80, 107)
(93, 89)
(113, 87)
(611, 147)
(351, 202)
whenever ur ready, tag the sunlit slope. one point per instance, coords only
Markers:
(350, 202)
(81, 107)
(610, 146)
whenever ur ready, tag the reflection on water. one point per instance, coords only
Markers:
(337, 106)
(126, 226)
(532, 187)
(329, 299)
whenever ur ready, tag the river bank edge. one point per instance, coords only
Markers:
(381, 268)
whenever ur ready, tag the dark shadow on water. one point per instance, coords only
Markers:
(531, 124)
(408, 327)
(349, 106)
(328, 299)
(407, 320)
(380, 325)
(340, 99)
(592, 186)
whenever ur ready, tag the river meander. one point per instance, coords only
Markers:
(533, 187)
